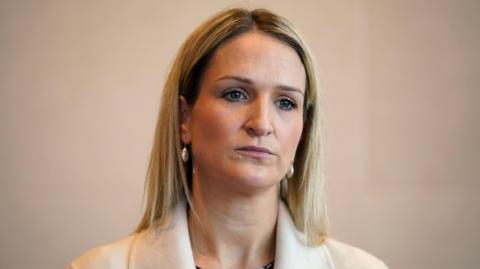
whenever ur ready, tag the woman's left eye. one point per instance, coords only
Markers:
(286, 104)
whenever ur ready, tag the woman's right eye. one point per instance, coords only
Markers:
(235, 95)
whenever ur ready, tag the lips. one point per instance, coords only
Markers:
(255, 150)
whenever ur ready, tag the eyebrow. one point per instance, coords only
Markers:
(250, 82)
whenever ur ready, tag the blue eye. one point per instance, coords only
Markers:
(286, 104)
(235, 95)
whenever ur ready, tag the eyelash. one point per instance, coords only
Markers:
(291, 104)
(228, 96)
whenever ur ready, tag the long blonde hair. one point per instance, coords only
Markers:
(169, 179)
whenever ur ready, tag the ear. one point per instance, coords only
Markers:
(184, 120)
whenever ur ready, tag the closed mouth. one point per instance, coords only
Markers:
(256, 149)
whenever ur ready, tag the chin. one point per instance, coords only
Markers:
(253, 181)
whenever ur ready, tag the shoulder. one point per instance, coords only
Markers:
(165, 246)
(113, 255)
(344, 256)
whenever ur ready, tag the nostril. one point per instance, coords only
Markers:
(260, 130)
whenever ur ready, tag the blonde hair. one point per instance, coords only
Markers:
(169, 179)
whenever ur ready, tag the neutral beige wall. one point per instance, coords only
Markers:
(79, 90)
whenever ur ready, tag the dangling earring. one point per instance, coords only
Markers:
(185, 154)
(290, 172)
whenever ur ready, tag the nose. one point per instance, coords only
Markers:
(259, 121)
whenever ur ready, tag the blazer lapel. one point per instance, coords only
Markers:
(291, 248)
(165, 248)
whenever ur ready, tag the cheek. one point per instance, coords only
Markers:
(212, 127)
(291, 135)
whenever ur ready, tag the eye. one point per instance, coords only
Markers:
(286, 104)
(235, 95)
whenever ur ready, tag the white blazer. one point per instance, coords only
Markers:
(169, 248)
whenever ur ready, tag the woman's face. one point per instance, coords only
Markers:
(247, 121)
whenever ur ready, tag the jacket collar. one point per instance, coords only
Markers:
(169, 247)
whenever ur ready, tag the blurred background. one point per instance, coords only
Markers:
(80, 83)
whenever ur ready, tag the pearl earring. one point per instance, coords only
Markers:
(185, 154)
(290, 172)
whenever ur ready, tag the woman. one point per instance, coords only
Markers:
(234, 179)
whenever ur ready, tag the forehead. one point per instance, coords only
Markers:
(260, 58)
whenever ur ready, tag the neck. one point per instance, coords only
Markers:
(230, 230)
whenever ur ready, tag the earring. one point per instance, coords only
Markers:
(185, 154)
(290, 172)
